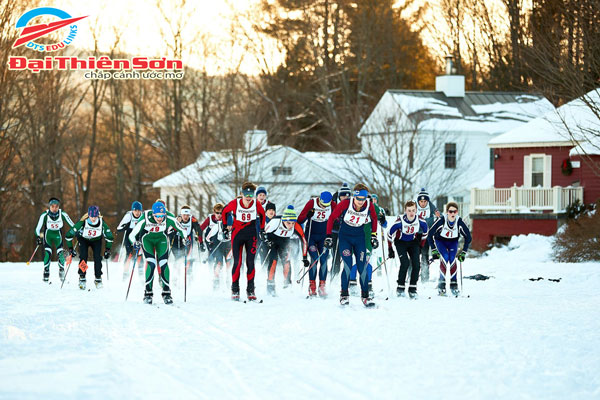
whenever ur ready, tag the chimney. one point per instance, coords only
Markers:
(451, 85)
(255, 140)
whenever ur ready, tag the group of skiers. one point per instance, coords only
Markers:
(345, 224)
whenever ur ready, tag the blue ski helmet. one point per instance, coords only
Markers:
(93, 211)
(158, 209)
(325, 198)
(136, 205)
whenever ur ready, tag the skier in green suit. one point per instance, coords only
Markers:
(151, 235)
(48, 233)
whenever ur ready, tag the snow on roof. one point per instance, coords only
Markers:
(491, 112)
(573, 122)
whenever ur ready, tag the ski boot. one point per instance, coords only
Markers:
(46, 274)
(353, 288)
(287, 284)
(167, 298)
(344, 298)
(148, 297)
(454, 289)
(312, 289)
(371, 292)
(322, 289)
(412, 293)
(400, 291)
(442, 288)
(216, 283)
(367, 301)
(235, 291)
(98, 283)
(61, 273)
(251, 295)
(82, 282)
(271, 288)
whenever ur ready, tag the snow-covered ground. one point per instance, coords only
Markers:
(512, 339)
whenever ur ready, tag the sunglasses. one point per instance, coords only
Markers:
(249, 195)
(218, 213)
(361, 198)
(160, 215)
(452, 211)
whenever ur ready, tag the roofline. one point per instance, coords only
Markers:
(466, 91)
(530, 144)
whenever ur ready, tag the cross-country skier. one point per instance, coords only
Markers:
(261, 197)
(129, 221)
(90, 230)
(353, 214)
(427, 211)
(278, 233)
(48, 233)
(408, 234)
(342, 194)
(217, 245)
(368, 234)
(443, 239)
(190, 225)
(151, 235)
(317, 212)
(247, 213)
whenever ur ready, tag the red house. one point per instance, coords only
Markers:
(540, 168)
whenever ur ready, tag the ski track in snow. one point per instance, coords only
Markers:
(512, 339)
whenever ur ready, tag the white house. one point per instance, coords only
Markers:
(439, 139)
(289, 175)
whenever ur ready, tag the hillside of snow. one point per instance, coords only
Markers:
(513, 338)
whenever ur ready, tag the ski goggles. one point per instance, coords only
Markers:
(361, 195)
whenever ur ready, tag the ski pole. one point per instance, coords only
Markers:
(213, 251)
(35, 251)
(337, 246)
(69, 259)
(461, 280)
(311, 265)
(107, 278)
(381, 264)
(185, 275)
(121, 248)
(266, 259)
(132, 269)
(308, 244)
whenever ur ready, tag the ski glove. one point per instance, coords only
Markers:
(435, 254)
(202, 246)
(382, 220)
(39, 240)
(73, 252)
(106, 254)
(262, 235)
(328, 242)
(391, 253)
(374, 241)
(310, 214)
(137, 245)
(305, 262)
(187, 242)
(461, 256)
(226, 234)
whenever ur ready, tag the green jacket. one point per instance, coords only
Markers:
(46, 222)
(149, 227)
(92, 232)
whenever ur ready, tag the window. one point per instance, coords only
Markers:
(450, 156)
(459, 199)
(282, 170)
(176, 209)
(537, 171)
(492, 158)
(168, 202)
